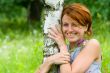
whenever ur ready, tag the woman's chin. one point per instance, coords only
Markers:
(72, 40)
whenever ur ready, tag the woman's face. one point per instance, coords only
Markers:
(72, 30)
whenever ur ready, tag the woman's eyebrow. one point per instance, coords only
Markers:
(65, 23)
(75, 23)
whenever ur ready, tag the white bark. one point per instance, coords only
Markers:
(52, 17)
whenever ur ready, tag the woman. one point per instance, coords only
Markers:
(81, 55)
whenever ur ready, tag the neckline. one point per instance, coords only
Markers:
(79, 44)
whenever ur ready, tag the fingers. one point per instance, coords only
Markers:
(55, 34)
(53, 30)
(65, 60)
(65, 53)
(66, 56)
(56, 29)
(61, 58)
(52, 34)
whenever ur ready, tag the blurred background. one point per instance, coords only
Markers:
(21, 36)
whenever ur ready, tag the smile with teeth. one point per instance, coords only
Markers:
(72, 34)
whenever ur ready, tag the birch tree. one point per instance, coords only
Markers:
(52, 17)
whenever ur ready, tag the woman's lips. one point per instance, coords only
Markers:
(71, 35)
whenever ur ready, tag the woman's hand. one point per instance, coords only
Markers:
(56, 34)
(59, 58)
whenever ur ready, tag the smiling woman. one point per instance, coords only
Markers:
(81, 55)
(76, 20)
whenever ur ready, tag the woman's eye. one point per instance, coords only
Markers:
(65, 24)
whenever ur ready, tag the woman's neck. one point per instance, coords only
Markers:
(76, 44)
(72, 45)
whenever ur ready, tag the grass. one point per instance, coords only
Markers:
(102, 33)
(21, 47)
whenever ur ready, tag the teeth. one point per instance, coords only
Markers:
(74, 32)
(71, 34)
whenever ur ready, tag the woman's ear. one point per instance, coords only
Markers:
(85, 28)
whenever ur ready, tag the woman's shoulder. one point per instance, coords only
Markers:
(93, 42)
(93, 45)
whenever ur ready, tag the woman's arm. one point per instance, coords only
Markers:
(85, 58)
(44, 68)
(59, 58)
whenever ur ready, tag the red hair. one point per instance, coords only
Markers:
(81, 14)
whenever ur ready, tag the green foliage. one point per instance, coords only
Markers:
(6, 5)
(20, 50)
(99, 8)
(11, 8)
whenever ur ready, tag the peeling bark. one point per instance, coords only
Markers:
(52, 17)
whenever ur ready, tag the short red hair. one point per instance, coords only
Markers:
(81, 14)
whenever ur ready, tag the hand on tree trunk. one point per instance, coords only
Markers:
(56, 34)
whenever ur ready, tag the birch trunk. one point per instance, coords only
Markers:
(52, 17)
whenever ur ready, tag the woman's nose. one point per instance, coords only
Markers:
(70, 28)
